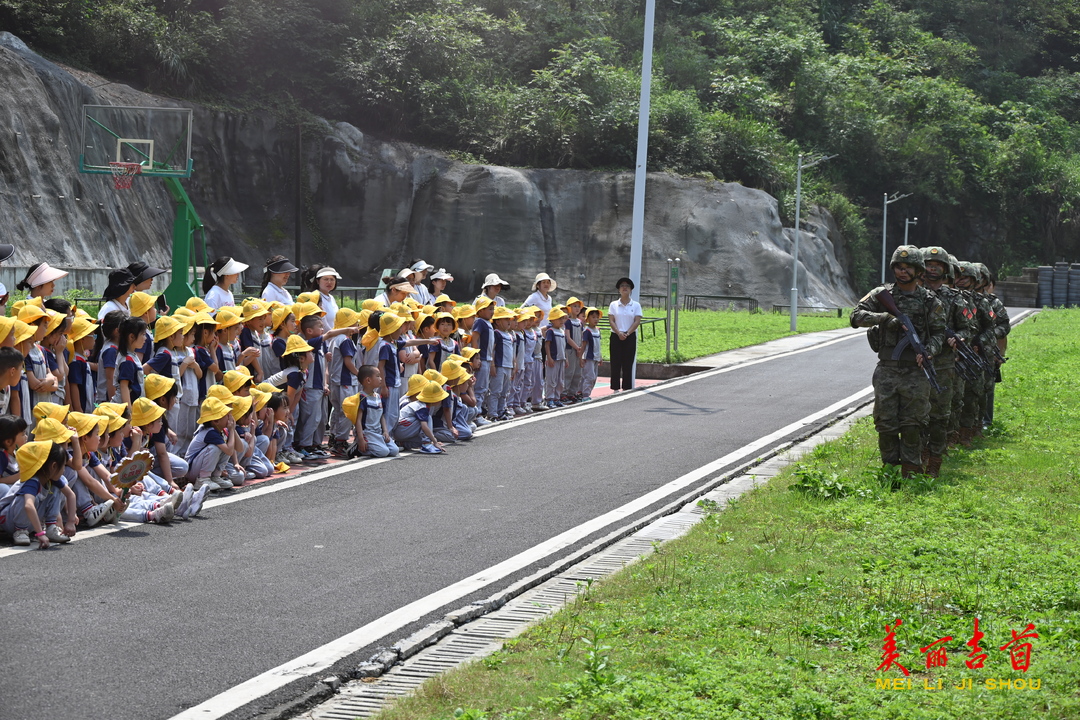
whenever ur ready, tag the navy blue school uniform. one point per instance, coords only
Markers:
(81, 379)
(278, 347)
(204, 360)
(486, 337)
(147, 350)
(131, 370)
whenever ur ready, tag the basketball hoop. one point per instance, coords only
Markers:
(124, 174)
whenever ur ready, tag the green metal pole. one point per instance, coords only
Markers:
(185, 224)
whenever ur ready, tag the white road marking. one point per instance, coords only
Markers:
(319, 659)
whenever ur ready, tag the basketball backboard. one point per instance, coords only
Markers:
(158, 139)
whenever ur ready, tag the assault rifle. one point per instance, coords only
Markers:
(969, 359)
(911, 337)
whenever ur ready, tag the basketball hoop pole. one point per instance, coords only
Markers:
(185, 224)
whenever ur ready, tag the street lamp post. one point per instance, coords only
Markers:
(795, 254)
(907, 224)
(884, 225)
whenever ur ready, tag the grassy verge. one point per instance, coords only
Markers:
(706, 332)
(776, 606)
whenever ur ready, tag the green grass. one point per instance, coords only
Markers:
(776, 606)
(706, 332)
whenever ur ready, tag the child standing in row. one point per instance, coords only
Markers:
(555, 349)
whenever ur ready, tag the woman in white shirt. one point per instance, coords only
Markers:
(492, 289)
(275, 276)
(397, 289)
(624, 316)
(218, 280)
(420, 293)
(543, 286)
(326, 280)
(120, 288)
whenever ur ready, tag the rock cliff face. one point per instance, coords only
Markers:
(370, 205)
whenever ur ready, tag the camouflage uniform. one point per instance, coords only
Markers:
(901, 390)
(975, 392)
(960, 320)
(1002, 326)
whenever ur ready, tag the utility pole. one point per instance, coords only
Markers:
(907, 224)
(884, 228)
(795, 254)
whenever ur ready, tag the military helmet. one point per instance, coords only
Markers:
(984, 273)
(967, 270)
(938, 254)
(908, 254)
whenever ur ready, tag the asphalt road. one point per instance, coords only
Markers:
(145, 623)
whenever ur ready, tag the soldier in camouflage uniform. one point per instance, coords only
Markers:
(901, 390)
(961, 321)
(1002, 326)
(975, 391)
(963, 298)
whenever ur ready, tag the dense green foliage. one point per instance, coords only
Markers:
(968, 104)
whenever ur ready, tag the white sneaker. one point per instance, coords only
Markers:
(197, 501)
(176, 498)
(97, 513)
(481, 421)
(206, 482)
(55, 534)
(185, 502)
(161, 515)
(222, 482)
(21, 537)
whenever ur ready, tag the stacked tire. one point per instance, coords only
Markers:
(1074, 285)
(1046, 286)
(1061, 284)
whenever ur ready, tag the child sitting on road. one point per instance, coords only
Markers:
(413, 429)
(33, 505)
(365, 410)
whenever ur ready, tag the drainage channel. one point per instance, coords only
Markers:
(382, 679)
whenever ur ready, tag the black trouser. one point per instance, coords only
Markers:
(621, 354)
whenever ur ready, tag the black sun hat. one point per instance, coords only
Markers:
(624, 280)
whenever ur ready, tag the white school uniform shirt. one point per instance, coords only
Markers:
(624, 315)
(329, 305)
(273, 293)
(110, 307)
(218, 297)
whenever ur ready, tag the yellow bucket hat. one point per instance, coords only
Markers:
(56, 412)
(389, 323)
(590, 310)
(311, 296)
(23, 331)
(296, 345)
(31, 313)
(303, 309)
(268, 388)
(416, 384)
(556, 313)
(434, 375)
(346, 317)
(432, 393)
(145, 411)
(196, 304)
(351, 407)
(111, 409)
(464, 311)
(259, 399)
(156, 385)
(444, 316)
(183, 312)
(254, 309)
(49, 429)
(444, 298)
(468, 352)
(574, 301)
(503, 313)
(80, 328)
(241, 407)
(7, 324)
(482, 302)
(166, 327)
(85, 423)
(372, 304)
(235, 379)
(203, 318)
(226, 319)
(32, 457)
(451, 369)
(220, 392)
(212, 409)
(55, 319)
(140, 303)
(279, 315)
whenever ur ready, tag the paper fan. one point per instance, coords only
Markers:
(132, 469)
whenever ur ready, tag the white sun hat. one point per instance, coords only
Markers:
(540, 277)
(323, 272)
(233, 267)
(494, 279)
